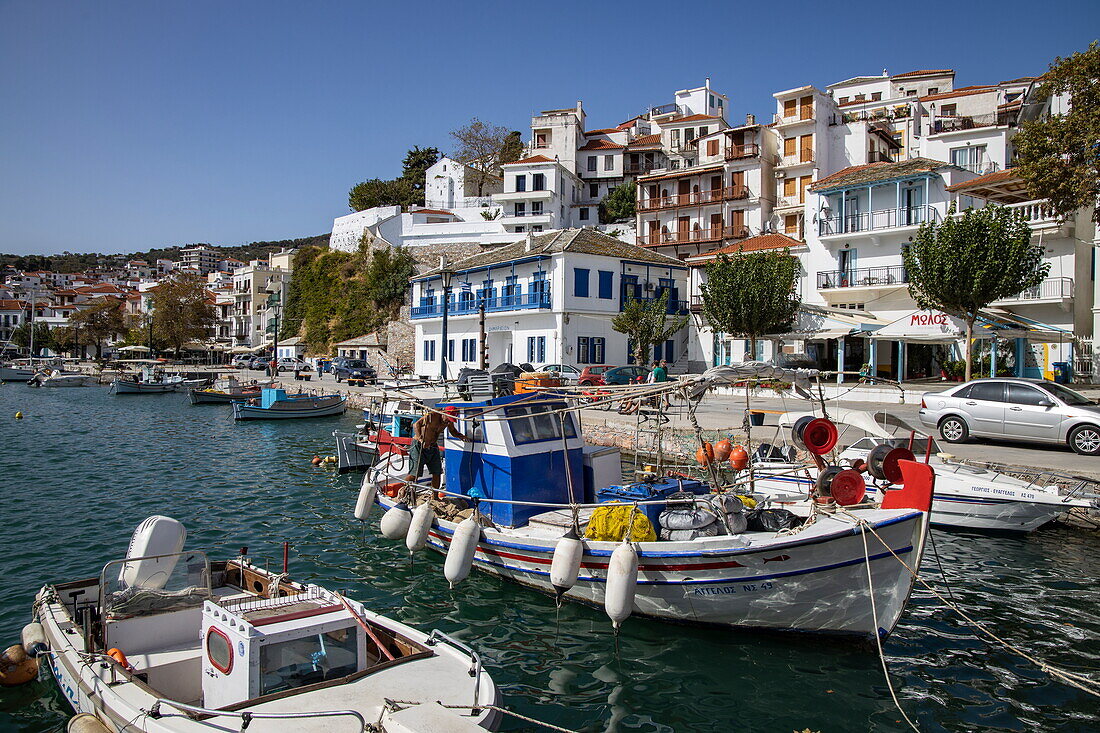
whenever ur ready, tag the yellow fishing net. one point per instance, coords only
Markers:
(608, 524)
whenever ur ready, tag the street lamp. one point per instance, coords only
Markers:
(445, 274)
(149, 322)
(273, 303)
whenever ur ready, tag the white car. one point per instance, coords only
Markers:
(567, 374)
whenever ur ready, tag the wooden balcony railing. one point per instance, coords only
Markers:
(734, 152)
(695, 198)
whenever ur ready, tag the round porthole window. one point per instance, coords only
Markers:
(219, 650)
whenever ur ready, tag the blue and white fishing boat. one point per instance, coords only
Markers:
(534, 486)
(276, 404)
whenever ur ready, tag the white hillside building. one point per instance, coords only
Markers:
(547, 298)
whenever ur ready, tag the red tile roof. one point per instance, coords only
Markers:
(12, 305)
(440, 212)
(645, 140)
(872, 172)
(759, 243)
(532, 159)
(960, 92)
(600, 145)
(604, 131)
(1007, 174)
(690, 118)
(923, 72)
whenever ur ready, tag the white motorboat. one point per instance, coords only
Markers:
(166, 640)
(526, 469)
(148, 381)
(966, 497)
(57, 378)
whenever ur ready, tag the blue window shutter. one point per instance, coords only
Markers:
(580, 282)
(606, 280)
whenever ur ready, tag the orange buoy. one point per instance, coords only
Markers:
(117, 655)
(316, 460)
(722, 449)
(705, 454)
(739, 458)
(16, 666)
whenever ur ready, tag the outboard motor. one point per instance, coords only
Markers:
(157, 535)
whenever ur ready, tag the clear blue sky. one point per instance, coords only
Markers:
(126, 125)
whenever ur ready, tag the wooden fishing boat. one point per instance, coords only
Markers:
(525, 471)
(223, 392)
(148, 381)
(276, 404)
(166, 640)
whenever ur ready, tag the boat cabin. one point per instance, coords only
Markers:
(524, 448)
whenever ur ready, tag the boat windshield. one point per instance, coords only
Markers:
(309, 659)
(153, 585)
(533, 423)
(1065, 394)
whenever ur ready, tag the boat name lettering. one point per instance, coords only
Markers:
(1002, 492)
(725, 590)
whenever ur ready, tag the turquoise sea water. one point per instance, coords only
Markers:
(85, 467)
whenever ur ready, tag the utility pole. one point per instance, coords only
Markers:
(483, 348)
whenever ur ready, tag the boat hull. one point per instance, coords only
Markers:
(351, 455)
(960, 501)
(205, 397)
(67, 380)
(814, 581)
(122, 386)
(295, 409)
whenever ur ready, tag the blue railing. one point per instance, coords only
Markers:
(634, 292)
(492, 305)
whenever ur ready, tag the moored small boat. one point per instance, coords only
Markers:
(57, 378)
(276, 404)
(225, 391)
(166, 640)
(149, 381)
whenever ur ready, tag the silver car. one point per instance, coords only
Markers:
(1015, 409)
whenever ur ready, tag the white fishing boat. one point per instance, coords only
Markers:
(166, 640)
(966, 497)
(536, 488)
(148, 381)
(57, 378)
(387, 417)
(276, 404)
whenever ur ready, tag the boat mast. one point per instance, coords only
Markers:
(34, 292)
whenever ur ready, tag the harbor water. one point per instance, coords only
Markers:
(84, 467)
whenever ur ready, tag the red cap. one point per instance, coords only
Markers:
(450, 410)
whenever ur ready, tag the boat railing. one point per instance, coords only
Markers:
(475, 659)
(1069, 486)
(247, 716)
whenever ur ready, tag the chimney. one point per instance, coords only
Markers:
(530, 245)
(708, 83)
(750, 119)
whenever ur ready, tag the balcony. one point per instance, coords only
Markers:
(675, 306)
(696, 198)
(696, 304)
(1051, 290)
(685, 237)
(971, 122)
(1039, 214)
(802, 115)
(736, 152)
(877, 156)
(467, 306)
(866, 277)
(877, 220)
(640, 169)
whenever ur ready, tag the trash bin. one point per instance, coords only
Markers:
(756, 419)
(1061, 372)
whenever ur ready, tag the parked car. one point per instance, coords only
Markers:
(290, 364)
(260, 362)
(567, 374)
(1014, 409)
(345, 368)
(242, 362)
(625, 375)
(592, 376)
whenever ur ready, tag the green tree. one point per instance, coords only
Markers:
(99, 322)
(181, 312)
(1059, 156)
(619, 204)
(387, 275)
(415, 168)
(966, 262)
(43, 338)
(481, 146)
(645, 323)
(377, 192)
(512, 150)
(66, 339)
(750, 295)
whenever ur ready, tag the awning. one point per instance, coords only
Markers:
(141, 349)
(937, 327)
(817, 322)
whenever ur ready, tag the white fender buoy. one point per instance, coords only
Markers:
(460, 555)
(566, 563)
(421, 524)
(86, 723)
(622, 583)
(395, 522)
(365, 503)
(34, 639)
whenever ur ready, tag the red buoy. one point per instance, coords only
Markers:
(739, 458)
(722, 449)
(705, 454)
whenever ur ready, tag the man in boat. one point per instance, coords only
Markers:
(424, 449)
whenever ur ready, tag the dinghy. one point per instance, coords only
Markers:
(166, 640)
(276, 404)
